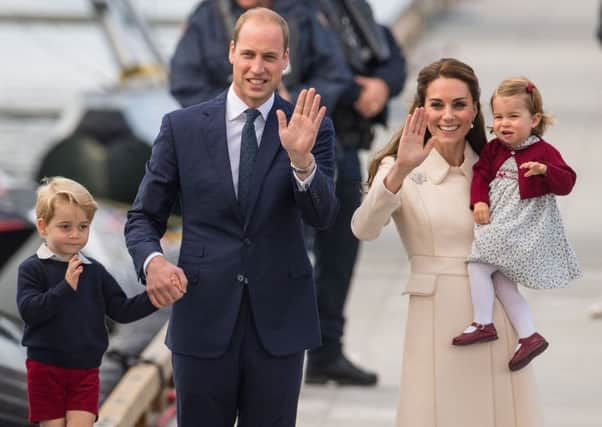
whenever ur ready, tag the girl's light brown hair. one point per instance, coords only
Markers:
(452, 69)
(523, 87)
(62, 189)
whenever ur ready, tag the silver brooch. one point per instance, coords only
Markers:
(418, 177)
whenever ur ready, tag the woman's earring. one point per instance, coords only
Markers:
(471, 125)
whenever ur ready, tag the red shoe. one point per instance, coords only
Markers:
(476, 333)
(529, 348)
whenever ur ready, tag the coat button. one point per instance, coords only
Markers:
(247, 242)
(240, 278)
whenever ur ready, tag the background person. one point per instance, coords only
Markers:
(200, 70)
(379, 71)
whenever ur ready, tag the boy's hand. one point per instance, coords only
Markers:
(74, 269)
(535, 168)
(174, 280)
(480, 212)
(165, 282)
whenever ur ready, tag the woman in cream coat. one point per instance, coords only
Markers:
(422, 180)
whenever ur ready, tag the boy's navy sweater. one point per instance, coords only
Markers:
(67, 328)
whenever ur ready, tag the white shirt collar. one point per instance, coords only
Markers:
(236, 107)
(44, 252)
(437, 168)
(532, 139)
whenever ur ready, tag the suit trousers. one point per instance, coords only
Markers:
(246, 382)
(336, 251)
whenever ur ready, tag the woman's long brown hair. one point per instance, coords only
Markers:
(452, 69)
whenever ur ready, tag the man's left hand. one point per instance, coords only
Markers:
(373, 97)
(298, 136)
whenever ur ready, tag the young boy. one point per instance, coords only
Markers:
(63, 297)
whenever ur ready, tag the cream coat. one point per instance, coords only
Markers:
(443, 385)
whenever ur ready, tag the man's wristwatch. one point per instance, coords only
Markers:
(306, 170)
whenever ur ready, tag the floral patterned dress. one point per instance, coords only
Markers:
(525, 239)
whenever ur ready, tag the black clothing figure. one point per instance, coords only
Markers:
(200, 70)
(374, 58)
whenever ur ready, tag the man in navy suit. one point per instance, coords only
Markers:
(245, 303)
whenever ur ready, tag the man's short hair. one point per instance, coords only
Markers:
(263, 14)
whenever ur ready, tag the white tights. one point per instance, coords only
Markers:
(485, 279)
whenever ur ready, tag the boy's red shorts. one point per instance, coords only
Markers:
(53, 391)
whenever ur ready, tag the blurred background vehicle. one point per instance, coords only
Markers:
(104, 138)
(101, 138)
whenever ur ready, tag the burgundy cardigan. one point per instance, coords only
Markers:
(559, 178)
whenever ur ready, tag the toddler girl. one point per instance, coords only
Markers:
(519, 236)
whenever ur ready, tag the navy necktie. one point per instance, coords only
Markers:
(248, 152)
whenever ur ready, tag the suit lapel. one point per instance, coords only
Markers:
(213, 133)
(270, 143)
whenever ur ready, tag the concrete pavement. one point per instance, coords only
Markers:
(553, 44)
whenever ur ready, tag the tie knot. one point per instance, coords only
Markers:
(251, 114)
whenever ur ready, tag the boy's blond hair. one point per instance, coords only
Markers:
(66, 190)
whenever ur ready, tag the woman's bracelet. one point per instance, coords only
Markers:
(306, 170)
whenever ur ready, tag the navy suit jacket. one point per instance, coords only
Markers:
(222, 252)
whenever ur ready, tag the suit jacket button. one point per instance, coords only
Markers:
(247, 242)
(240, 278)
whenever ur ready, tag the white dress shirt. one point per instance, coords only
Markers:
(235, 121)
